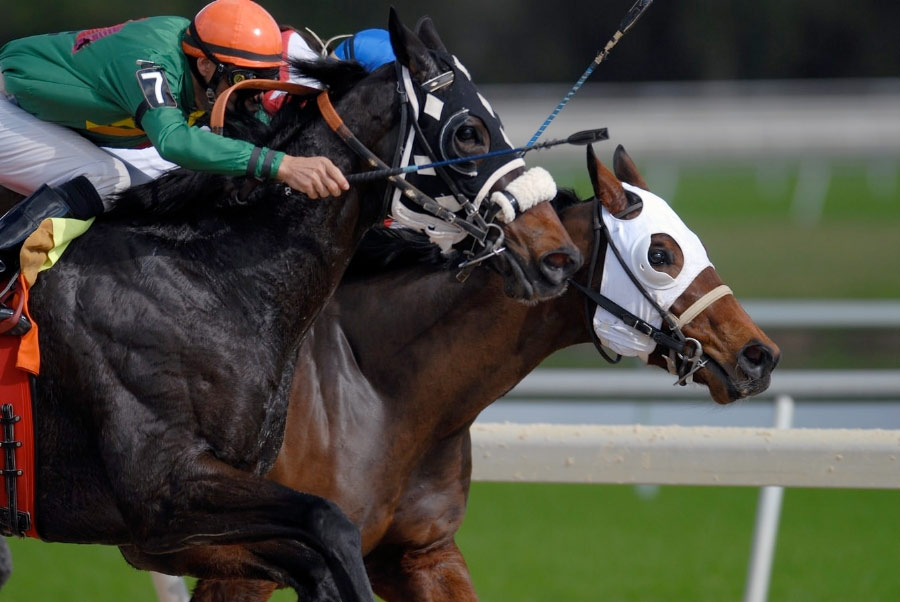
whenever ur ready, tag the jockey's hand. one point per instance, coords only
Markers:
(316, 177)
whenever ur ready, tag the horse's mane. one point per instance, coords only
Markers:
(565, 198)
(183, 192)
(387, 249)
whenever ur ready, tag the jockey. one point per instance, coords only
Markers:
(131, 85)
(371, 48)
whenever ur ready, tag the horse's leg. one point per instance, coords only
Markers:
(436, 574)
(419, 560)
(204, 501)
(255, 586)
(209, 590)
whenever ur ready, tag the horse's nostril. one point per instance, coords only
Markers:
(557, 260)
(756, 360)
(560, 264)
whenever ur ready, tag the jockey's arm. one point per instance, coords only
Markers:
(166, 126)
(201, 150)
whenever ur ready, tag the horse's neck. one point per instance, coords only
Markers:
(331, 228)
(438, 351)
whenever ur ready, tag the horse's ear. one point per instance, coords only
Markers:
(410, 50)
(607, 187)
(626, 170)
(428, 34)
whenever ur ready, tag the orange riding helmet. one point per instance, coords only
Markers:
(235, 32)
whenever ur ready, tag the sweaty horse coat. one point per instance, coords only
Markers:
(169, 342)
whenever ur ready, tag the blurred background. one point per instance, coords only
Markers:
(528, 41)
(773, 128)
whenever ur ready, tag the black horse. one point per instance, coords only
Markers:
(170, 340)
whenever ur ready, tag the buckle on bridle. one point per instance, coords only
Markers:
(439, 81)
(685, 366)
(644, 328)
(492, 248)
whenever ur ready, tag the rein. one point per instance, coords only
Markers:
(685, 353)
(631, 17)
(337, 125)
(217, 116)
(479, 231)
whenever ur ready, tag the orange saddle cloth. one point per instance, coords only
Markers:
(17, 432)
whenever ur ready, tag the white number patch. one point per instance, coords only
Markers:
(155, 88)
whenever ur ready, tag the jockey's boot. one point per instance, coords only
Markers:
(76, 198)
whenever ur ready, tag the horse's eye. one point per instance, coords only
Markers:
(658, 257)
(467, 133)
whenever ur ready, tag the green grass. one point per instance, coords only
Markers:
(586, 543)
(530, 543)
(45, 572)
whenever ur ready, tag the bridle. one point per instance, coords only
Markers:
(488, 236)
(337, 125)
(685, 354)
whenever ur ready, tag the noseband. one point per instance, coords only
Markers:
(685, 355)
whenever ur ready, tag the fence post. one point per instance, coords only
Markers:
(768, 512)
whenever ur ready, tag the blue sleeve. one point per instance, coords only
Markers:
(371, 48)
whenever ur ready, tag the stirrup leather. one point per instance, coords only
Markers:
(13, 321)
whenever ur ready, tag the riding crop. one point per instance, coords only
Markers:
(582, 138)
(634, 13)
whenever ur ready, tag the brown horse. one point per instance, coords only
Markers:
(401, 362)
(170, 337)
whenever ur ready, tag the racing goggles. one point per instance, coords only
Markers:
(236, 75)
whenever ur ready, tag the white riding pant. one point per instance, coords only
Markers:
(35, 152)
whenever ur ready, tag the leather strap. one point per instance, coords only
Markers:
(330, 115)
(701, 304)
(13, 320)
(217, 117)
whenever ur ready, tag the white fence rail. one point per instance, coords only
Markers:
(675, 455)
(824, 313)
(715, 120)
(656, 384)
(770, 457)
